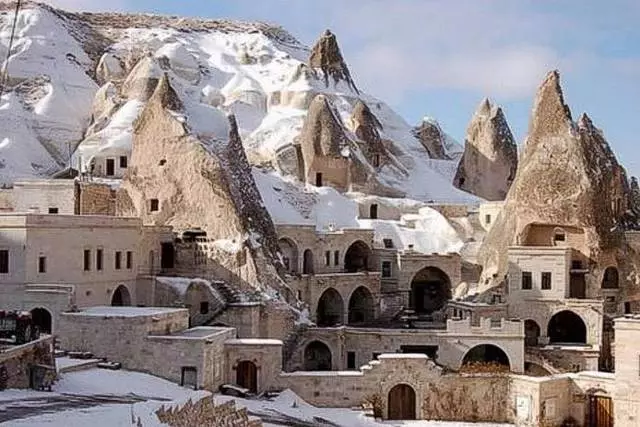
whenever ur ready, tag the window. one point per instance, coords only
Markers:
(99, 259)
(627, 307)
(487, 219)
(118, 260)
(4, 261)
(376, 160)
(336, 257)
(527, 283)
(123, 162)
(386, 268)
(375, 355)
(155, 205)
(318, 179)
(558, 235)
(351, 360)
(204, 307)
(287, 263)
(111, 167)
(87, 259)
(327, 258)
(53, 210)
(388, 243)
(42, 264)
(129, 260)
(545, 280)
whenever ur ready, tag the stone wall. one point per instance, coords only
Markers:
(265, 354)
(627, 374)
(206, 413)
(451, 211)
(17, 361)
(41, 195)
(96, 199)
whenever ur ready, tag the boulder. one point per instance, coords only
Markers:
(490, 159)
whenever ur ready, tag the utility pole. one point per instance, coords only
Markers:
(4, 73)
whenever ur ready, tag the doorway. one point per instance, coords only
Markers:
(111, 167)
(247, 375)
(189, 377)
(600, 412)
(167, 255)
(402, 403)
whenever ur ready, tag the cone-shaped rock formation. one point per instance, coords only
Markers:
(431, 136)
(567, 178)
(490, 159)
(327, 57)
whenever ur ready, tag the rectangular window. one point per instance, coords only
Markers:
(123, 162)
(327, 258)
(388, 243)
(87, 259)
(42, 264)
(99, 259)
(4, 261)
(318, 179)
(155, 205)
(111, 167)
(487, 219)
(545, 280)
(386, 268)
(204, 307)
(118, 260)
(527, 283)
(129, 260)
(351, 360)
(53, 210)
(336, 257)
(627, 307)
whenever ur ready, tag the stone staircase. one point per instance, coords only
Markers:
(533, 355)
(291, 343)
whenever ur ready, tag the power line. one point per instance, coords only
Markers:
(3, 76)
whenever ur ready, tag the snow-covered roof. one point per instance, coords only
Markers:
(110, 311)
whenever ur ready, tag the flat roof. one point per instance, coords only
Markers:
(253, 341)
(196, 333)
(38, 220)
(109, 311)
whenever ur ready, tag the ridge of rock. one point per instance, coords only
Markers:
(326, 56)
(431, 136)
(490, 159)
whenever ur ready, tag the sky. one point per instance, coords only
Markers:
(440, 58)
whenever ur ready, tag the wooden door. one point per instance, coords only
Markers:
(402, 403)
(247, 376)
(600, 411)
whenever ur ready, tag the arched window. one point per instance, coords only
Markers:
(41, 317)
(307, 267)
(317, 357)
(361, 306)
(430, 290)
(330, 309)
(486, 353)
(566, 327)
(357, 257)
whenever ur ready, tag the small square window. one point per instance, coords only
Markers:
(527, 282)
(42, 264)
(53, 210)
(388, 243)
(123, 162)
(351, 360)
(155, 205)
(545, 280)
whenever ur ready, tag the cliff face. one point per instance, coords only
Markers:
(200, 177)
(490, 159)
(567, 176)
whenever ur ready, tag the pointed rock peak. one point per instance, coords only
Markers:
(362, 114)
(432, 138)
(485, 107)
(166, 95)
(550, 112)
(326, 56)
(585, 122)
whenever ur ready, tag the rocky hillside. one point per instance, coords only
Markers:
(568, 176)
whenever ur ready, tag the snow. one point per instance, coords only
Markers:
(110, 311)
(181, 284)
(253, 341)
(403, 356)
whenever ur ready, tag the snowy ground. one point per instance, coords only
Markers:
(103, 398)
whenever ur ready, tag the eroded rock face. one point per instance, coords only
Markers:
(490, 159)
(367, 127)
(431, 137)
(567, 176)
(200, 181)
(142, 80)
(327, 57)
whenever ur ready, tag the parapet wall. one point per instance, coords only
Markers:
(15, 361)
(487, 326)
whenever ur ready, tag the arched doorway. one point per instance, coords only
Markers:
(357, 257)
(41, 317)
(486, 353)
(566, 327)
(121, 296)
(430, 290)
(289, 252)
(610, 278)
(402, 403)
(247, 375)
(317, 357)
(330, 309)
(307, 267)
(361, 306)
(531, 333)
